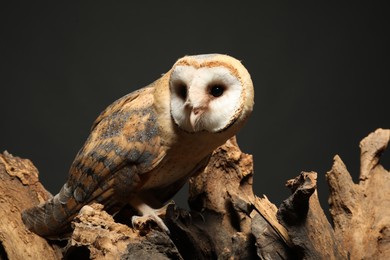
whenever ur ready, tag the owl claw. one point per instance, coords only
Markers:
(150, 216)
(144, 222)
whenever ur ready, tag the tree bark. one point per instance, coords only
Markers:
(226, 219)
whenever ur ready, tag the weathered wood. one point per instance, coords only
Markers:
(226, 219)
(232, 221)
(98, 236)
(19, 189)
(311, 235)
(361, 212)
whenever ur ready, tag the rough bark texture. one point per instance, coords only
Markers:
(226, 219)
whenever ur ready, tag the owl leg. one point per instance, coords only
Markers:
(149, 214)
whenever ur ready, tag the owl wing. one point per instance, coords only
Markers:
(123, 145)
(117, 105)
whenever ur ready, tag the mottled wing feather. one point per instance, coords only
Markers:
(123, 140)
(123, 144)
(123, 137)
(117, 105)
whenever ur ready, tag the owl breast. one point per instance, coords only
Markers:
(172, 170)
(186, 158)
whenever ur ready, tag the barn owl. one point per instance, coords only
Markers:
(146, 145)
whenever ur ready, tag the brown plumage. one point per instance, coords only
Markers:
(143, 148)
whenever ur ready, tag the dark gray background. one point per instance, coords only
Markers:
(321, 75)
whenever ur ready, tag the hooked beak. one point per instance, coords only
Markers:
(196, 113)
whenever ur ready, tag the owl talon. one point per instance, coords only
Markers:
(150, 216)
(146, 223)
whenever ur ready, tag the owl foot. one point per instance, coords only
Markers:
(149, 218)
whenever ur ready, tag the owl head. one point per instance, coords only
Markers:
(209, 93)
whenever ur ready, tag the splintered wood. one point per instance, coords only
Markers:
(361, 212)
(226, 219)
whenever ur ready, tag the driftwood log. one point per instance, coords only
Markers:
(226, 219)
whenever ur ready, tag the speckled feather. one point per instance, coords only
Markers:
(122, 146)
(136, 152)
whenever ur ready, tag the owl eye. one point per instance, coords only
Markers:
(217, 90)
(181, 90)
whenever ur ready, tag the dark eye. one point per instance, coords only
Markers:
(181, 91)
(217, 90)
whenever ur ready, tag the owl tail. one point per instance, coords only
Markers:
(52, 218)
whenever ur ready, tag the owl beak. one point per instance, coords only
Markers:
(194, 117)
